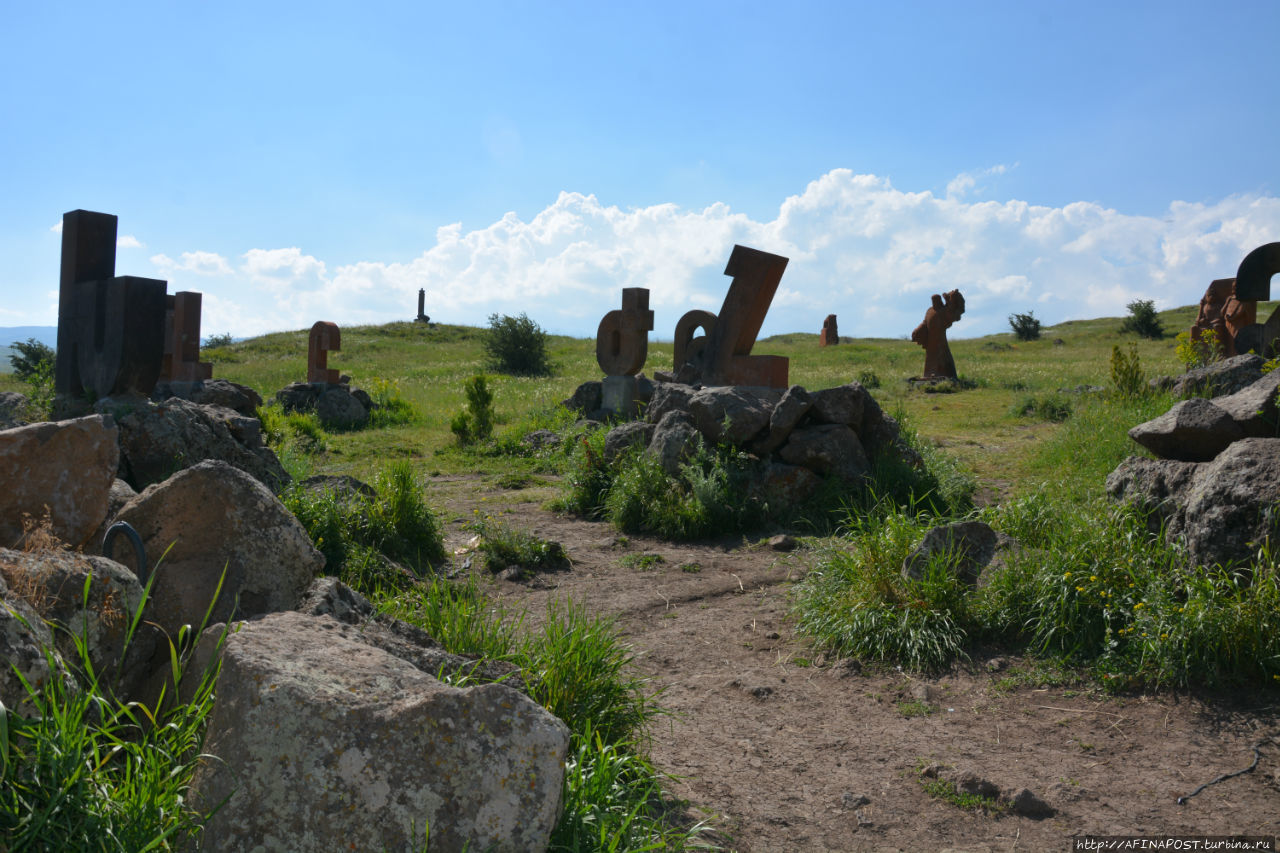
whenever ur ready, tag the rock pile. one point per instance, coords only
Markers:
(1217, 480)
(799, 436)
(336, 404)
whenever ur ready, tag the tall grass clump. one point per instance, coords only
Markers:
(366, 540)
(576, 667)
(81, 770)
(390, 408)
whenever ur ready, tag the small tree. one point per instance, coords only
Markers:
(220, 340)
(30, 356)
(1142, 319)
(516, 345)
(1025, 326)
(475, 422)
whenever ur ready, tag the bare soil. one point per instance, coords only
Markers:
(784, 750)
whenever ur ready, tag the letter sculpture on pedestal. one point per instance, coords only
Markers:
(722, 355)
(181, 361)
(932, 335)
(1253, 285)
(110, 328)
(324, 338)
(622, 344)
(830, 333)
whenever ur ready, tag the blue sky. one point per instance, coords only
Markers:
(298, 162)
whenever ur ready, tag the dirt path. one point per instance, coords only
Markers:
(785, 751)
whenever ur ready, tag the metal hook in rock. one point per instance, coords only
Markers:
(134, 539)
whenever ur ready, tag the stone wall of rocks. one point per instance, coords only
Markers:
(337, 405)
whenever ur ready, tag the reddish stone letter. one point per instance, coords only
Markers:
(324, 338)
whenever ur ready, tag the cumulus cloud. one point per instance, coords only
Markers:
(57, 229)
(128, 241)
(194, 263)
(859, 248)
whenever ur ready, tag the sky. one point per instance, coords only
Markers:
(323, 161)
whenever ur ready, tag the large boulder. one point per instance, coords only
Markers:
(784, 487)
(827, 449)
(158, 439)
(1254, 407)
(789, 411)
(1193, 430)
(844, 404)
(212, 392)
(213, 518)
(625, 436)
(731, 413)
(586, 399)
(969, 546)
(1223, 510)
(341, 409)
(1222, 377)
(67, 466)
(90, 601)
(667, 397)
(13, 410)
(26, 652)
(320, 736)
(674, 440)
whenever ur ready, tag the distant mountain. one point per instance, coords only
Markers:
(47, 335)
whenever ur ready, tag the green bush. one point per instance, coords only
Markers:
(1126, 373)
(1203, 350)
(1142, 319)
(31, 358)
(215, 341)
(365, 539)
(516, 345)
(390, 408)
(1050, 407)
(1025, 326)
(474, 424)
(502, 547)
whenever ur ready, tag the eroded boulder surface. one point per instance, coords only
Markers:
(212, 517)
(320, 736)
(969, 546)
(1221, 510)
(13, 408)
(26, 649)
(336, 404)
(1226, 376)
(1194, 430)
(827, 449)
(67, 466)
(158, 439)
(212, 392)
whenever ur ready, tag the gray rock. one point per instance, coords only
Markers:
(540, 439)
(121, 493)
(1222, 377)
(89, 601)
(209, 518)
(971, 544)
(362, 397)
(13, 410)
(781, 485)
(668, 397)
(157, 440)
(301, 396)
(1027, 804)
(26, 649)
(827, 449)
(339, 409)
(731, 413)
(320, 736)
(1193, 430)
(841, 405)
(793, 406)
(674, 441)
(1221, 510)
(341, 486)
(212, 392)
(586, 398)
(624, 436)
(1254, 407)
(880, 433)
(67, 466)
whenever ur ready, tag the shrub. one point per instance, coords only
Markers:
(502, 546)
(390, 408)
(32, 357)
(1203, 350)
(516, 345)
(1142, 319)
(1051, 407)
(869, 379)
(215, 341)
(474, 423)
(1126, 373)
(1025, 326)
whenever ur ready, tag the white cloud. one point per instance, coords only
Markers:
(128, 241)
(859, 248)
(964, 182)
(195, 263)
(57, 229)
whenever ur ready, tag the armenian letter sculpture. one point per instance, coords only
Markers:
(1253, 285)
(325, 337)
(622, 344)
(830, 332)
(932, 335)
(110, 328)
(722, 354)
(182, 339)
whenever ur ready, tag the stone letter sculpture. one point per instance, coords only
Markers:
(110, 328)
(830, 333)
(1253, 285)
(622, 344)
(932, 335)
(722, 355)
(324, 338)
(181, 361)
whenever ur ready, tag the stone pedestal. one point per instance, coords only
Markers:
(618, 395)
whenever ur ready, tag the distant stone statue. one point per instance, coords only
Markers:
(110, 328)
(325, 337)
(422, 304)
(722, 355)
(622, 344)
(830, 334)
(932, 335)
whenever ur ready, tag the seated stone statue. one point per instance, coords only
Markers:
(932, 335)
